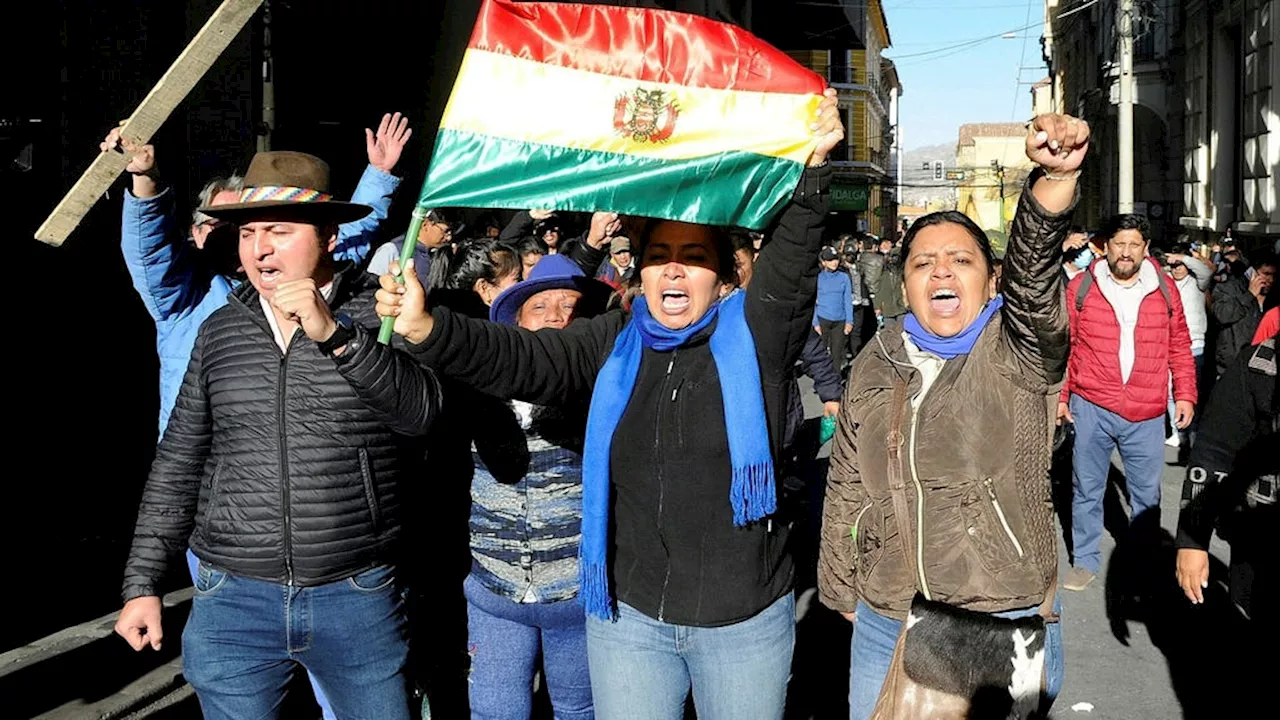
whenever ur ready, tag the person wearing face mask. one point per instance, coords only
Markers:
(1077, 253)
(938, 483)
(685, 578)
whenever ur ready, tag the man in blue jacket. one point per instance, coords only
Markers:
(183, 279)
(833, 308)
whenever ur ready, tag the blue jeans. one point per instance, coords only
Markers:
(245, 638)
(193, 565)
(1141, 444)
(643, 669)
(1198, 357)
(871, 650)
(504, 638)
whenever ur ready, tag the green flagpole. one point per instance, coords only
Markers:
(406, 254)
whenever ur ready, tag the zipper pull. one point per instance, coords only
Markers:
(675, 390)
(990, 490)
(671, 364)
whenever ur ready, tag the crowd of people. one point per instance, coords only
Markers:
(613, 403)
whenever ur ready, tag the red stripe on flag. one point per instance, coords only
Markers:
(646, 45)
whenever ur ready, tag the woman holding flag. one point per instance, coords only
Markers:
(686, 580)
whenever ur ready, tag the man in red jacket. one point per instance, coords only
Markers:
(1128, 333)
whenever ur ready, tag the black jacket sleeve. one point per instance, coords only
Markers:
(519, 226)
(779, 305)
(1215, 465)
(1232, 301)
(548, 367)
(584, 256)
(168, 508)
(815, 361)
(1035, 311)
(404, 395)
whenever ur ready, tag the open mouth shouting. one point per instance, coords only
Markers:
(269, 275)
(674, 301)
(944, 302)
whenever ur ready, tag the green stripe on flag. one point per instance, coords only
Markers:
(736, 188)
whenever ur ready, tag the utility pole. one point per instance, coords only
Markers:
(268, 83)
(999, 170)
(1124, 128)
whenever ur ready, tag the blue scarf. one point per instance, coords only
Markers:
(733, 349)
(959, 344)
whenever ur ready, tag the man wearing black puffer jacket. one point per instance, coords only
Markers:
(279, 468)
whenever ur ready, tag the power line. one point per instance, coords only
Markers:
(922, 61)
(952, 6)
(969, 43)
(1017, 85)
(1075, 10)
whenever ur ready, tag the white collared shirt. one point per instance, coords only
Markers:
(1126, 301)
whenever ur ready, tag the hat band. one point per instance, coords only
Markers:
(283, 193)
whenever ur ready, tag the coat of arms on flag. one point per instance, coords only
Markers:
(645, 116)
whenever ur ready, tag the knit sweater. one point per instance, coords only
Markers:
(526, 504)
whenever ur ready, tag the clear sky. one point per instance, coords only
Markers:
(945, 86)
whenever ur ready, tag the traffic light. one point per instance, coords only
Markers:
(926, 166)
(937, 170)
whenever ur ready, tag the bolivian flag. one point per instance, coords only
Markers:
(637, 111)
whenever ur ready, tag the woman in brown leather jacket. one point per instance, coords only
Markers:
(978, 365)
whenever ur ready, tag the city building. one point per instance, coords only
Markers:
(1206, 135)
(991, 168)
(864, 188)
(1231, 125)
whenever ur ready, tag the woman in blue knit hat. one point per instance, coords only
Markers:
(526, 512)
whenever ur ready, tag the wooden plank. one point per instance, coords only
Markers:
(195, 60)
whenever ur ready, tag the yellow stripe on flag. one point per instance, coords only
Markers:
(528, 101)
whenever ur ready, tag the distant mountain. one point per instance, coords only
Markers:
(914, 175)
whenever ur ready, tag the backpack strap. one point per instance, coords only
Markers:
(1163, 281)
(1086, 282)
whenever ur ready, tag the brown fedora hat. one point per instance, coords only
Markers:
(292, 184)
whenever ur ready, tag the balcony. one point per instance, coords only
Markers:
(843, 74)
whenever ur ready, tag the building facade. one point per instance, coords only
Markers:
(1206, 133)
(863, 191)
(1231, 129)
(993, 160)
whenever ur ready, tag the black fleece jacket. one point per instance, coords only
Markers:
(675, 553)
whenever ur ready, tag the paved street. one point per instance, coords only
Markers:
(1125, 658)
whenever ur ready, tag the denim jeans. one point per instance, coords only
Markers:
(1141, 444)
(504, 638)
(193, 565)
(1198, 357)
(643, 669)
(245, 639)
(871, 650)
